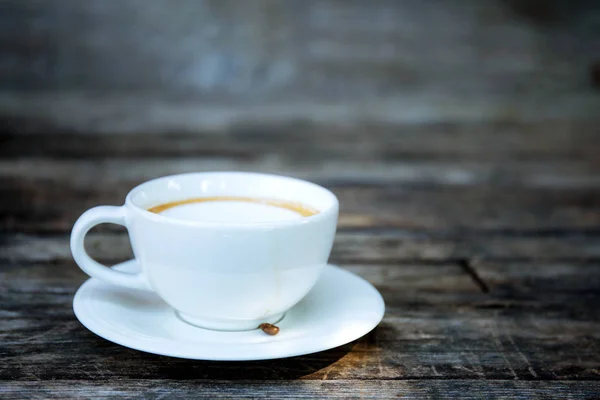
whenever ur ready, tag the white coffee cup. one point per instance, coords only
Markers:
(216, 275)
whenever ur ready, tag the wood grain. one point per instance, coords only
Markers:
(433, 389)
(461, 138)
(438, 323)
(484, 140)
(350, 247)
(491, 277)
(409, 196)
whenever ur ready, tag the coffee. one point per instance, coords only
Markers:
(234, 209)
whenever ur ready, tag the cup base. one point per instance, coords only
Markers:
(228, 325)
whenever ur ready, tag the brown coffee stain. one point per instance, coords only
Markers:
(302, 209)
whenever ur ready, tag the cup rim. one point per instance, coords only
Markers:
(330, 210)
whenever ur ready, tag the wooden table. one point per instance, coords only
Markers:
(483, 238)
(461, 137)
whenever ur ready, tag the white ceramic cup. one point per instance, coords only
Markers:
(224, 276)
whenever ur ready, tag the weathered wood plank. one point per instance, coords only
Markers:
(30, 203)
(494, 140)
(437, 324)
(499, 178)
(516, 281)
(393, 247)
(390, 247)
(479, 344)
(43, 286)
(375, 389)
(47, 278)
(551, 173)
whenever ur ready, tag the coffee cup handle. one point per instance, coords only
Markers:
(89, 219)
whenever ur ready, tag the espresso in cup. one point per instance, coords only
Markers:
(234, 209)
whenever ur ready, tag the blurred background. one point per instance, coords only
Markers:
(99, 95)
(184, 65)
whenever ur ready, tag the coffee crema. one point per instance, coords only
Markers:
(298, 208)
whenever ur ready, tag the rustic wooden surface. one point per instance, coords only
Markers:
(483, 242)
(461, 137)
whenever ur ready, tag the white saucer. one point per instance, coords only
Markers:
(340, 308)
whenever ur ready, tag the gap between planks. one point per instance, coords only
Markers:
(467, 266)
